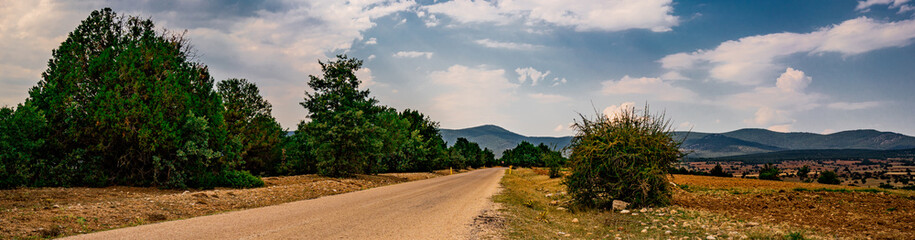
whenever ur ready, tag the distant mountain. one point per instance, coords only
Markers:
(717, 145)
(499, 139)
(709, 145)
(756, 140)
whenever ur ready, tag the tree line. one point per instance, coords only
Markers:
(123, 104)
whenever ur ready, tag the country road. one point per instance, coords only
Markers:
(437, 208)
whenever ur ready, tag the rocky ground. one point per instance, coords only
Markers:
(55, 212)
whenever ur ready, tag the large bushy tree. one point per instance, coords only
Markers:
(251, 125)
(126, 104)
(22, 132)
(341, 130)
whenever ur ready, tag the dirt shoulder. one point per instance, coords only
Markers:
(55, 212)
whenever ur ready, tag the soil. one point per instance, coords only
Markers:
(55, 212)
(833, 211)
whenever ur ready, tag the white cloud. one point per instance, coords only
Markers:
(854, 105)
(777, 105)
(557, 81)
(613, 110)
(559, 128)
(653, 87)
(584, 15)
(273, 47)
(792, 80)
(506, 45)
(673, 76)
(370, 57)
(752, 60)
(548, 98)
(371, 41)
(533, 74)
(413, 54)
(471, 95)
(365, 75)
(901, 4)
(468, 11)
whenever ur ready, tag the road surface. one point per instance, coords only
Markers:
(437, 208)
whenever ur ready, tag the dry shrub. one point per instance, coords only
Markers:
(625, 157)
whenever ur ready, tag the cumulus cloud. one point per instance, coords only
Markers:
(273, 43)
(506, 45)
(673, 75)
(371, 41)
(413, 54)
(471, 94)
(559, 128)
(777, 105)
(752, 60)
(651, 87)
(533, 74)
(900, 4)
(585, 15)
(614, 110)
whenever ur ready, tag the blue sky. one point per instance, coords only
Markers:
(532, 65)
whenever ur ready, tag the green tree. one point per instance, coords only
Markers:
(769, 172)
(828, 177)
(251, 125)
(626, 157)
(21, 146)
(803, 172)
(344, 138)
(718, 171)
(117, 97)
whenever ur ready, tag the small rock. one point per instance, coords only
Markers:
(561, 208)
(554, 202)
(710, 237)
(644, 230)
(635, 214)
(619, 205)
(624, 211)
(561, 233)
(56, 206)
(568, 235)
(643, 210)
(667, 232)
(575, 220)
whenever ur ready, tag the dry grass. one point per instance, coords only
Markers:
(527, 198)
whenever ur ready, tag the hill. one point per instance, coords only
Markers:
(710, 145)
(499, 139)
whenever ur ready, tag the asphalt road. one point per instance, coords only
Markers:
(437, 208)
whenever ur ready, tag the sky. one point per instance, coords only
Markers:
(535, 66)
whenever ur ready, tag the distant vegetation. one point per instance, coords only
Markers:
(123, 104)
(626, 157)
(812, 155)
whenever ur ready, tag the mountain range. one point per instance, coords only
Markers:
(708, 145)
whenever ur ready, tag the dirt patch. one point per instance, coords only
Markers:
(55, 212)
(841, 212)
